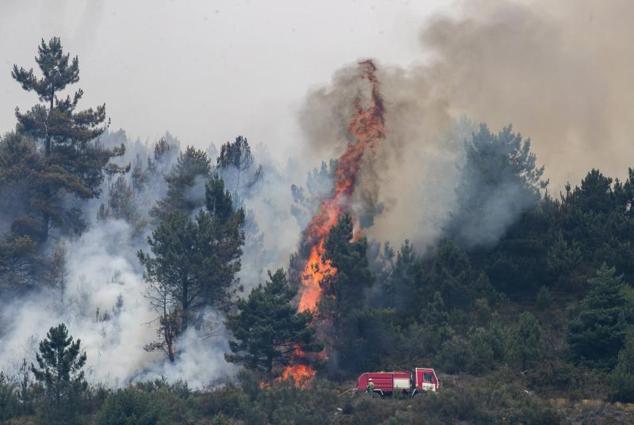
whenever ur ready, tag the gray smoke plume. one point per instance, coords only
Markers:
(559, 72)
(103, 299)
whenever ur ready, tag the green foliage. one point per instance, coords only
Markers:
(267, 328)
(345, 294)
(500, 179)
(193, 263)
(192, 168)
(622, 377)
(153, 402)
(59, 372)
(450, 273)
(349, 258)
(597, 328)
(218, 201)
(565, 260)
(237, 167)
(9, 402)
(403, 281)
(20, 265)
(71, 162)
(129, 406)
(121, 203)
(527, 344)
(482, 350)
(235, 154)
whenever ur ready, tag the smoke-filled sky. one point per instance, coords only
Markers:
(209, 70)
(206, 70)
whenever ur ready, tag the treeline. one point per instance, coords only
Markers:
(527, 296)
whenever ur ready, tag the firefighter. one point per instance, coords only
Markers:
(370, 387)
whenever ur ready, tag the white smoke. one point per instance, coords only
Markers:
(105, 306)
(105, 303)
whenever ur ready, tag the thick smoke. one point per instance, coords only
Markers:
(559, 72)
(105, 301)
(407, 185)
(262, 188)
(105, 306)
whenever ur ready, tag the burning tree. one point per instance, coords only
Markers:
(267, 328)
(367, 129)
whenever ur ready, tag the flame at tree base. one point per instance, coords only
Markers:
(299, 374)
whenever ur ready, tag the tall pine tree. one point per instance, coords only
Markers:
(267, 327)
(354, 326)
(70, 161)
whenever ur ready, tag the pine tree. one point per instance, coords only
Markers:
(193, 263)
(59, 372)
(344, 300)
(401, 287)
(449, 272)
(527, 343)
(227, 223)
(500, 179)
(236, 166)
(348, 256)
(70, 161)
(121, 203)
(192, 169)
(267, 328)
(594, 195)
(597, 329)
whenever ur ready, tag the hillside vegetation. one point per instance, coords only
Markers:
(524, 306)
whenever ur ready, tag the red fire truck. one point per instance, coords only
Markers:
(384, 383)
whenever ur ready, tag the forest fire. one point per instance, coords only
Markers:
(301, 374)
(367, 128)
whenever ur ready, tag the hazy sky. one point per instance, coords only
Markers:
(206, 70)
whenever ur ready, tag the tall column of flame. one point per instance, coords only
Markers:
(367, 128)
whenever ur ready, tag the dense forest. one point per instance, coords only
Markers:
(524, 305)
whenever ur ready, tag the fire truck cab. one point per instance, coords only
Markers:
(385, 383)
(425, 379)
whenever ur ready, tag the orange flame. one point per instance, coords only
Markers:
(367, 128)
(300, 374)
(317, 269)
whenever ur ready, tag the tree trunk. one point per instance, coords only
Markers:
(185, 305)
(46, 217)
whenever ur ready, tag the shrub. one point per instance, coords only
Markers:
(544, 298)
(130, 406)
(9, 403)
